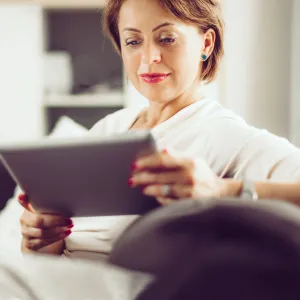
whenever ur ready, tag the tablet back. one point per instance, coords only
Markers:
(82, 177)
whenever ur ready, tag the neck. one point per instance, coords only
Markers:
(158, 113)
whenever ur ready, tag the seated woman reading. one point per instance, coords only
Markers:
(170, 49)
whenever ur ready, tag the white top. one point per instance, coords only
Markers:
(204, 129)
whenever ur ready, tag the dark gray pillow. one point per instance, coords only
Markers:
(221, 250)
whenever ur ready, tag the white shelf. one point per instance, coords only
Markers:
(99, 100)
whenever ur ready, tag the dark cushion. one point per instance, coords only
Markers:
(219, 251)
(7, 186)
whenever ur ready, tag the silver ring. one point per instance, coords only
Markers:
(166, 189)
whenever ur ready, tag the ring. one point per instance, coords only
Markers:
(166, 189)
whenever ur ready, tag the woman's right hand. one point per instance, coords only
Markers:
(40, 231)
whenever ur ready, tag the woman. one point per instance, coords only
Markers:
(170, 49)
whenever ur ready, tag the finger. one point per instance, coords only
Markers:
(38, 233)
(44, 221)
(37, 244)
(24, 201)
(165, 201)
(162, 177)
(162, 160)
(176, 191)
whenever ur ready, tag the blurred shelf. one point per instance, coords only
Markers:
(99, 100)
(61, 4)
(71, 4)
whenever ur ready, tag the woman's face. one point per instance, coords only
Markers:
(161, 54)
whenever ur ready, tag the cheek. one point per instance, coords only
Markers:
(185, 63)
(193, 58)
(131, 64)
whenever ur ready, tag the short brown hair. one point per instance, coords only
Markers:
(205, 13)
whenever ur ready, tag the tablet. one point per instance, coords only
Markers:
(81, 177)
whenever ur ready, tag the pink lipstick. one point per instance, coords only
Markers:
(154, 77)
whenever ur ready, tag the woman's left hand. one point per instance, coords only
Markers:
(169, 178)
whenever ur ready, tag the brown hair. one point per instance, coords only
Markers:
(205, 13)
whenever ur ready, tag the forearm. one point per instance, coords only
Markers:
(289, 192)
(53, 249)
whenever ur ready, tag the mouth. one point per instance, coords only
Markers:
(154, 77)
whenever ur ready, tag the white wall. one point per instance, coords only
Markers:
(21, 80)
(295, 71)
(256, 71)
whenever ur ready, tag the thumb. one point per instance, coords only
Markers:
(24, 201)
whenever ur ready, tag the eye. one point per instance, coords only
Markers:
(167, 41)
(132, 43)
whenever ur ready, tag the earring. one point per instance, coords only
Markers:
(204, 57)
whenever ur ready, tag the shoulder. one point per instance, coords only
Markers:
(229, 138)
(219, 122)
(225, 125)
(116, 122)
(229, 131)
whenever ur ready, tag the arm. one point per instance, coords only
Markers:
(283, 180)
(289, 192)
(188, 179)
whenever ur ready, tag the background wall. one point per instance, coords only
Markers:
(295, 71)
(20, 72)
(257, 67)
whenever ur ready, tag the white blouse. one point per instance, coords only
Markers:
(204, 129)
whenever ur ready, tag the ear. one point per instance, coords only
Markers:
(209, 39)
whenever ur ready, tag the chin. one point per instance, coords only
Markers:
(158, 96)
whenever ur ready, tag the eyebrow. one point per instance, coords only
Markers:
(153, 30)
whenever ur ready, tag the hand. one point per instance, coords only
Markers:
(169, 178)
(41, 230)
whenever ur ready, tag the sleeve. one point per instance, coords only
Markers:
(288, 168)
(237, 150)
(267, 157)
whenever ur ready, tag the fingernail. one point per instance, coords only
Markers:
(165, 151)
(23, 197)
(130, 182)
(67, 233)
(70, 226)
(134, 166)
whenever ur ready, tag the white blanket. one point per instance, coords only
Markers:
(46, 278)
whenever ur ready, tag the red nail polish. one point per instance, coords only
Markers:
(23, 197)
(134, 166)
(130, 182)
(68, 232)
(70, 226)
(165, 151)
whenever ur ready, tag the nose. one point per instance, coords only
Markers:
(151, 54)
